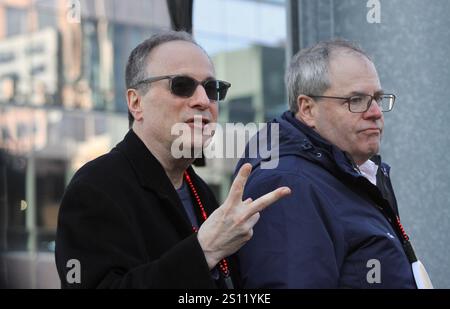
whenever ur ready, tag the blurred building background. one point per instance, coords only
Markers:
(61, 104)
(62, 100)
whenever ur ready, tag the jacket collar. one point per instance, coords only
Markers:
(311, 135)
(336, 161)
(147, 168)
(151, 174)
(317, 144)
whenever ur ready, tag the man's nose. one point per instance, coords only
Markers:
(374, 111)
(199, 98)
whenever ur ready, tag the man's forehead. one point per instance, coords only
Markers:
(339, 57)
(179, 57)
(352, 68)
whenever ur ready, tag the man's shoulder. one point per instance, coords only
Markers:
(291, 171)
(290, 165)
(104, 169)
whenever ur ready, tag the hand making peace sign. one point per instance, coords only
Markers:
(230, 226)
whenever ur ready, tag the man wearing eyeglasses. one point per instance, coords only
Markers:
(138, 217)
(340, 227)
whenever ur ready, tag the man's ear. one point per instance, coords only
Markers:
(134, 101)
(306, 110)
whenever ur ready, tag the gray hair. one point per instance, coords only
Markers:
(308, 70)
(136, 69)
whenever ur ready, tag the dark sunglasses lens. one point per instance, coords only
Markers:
(183, 86)
(223, 88)
(216, 90)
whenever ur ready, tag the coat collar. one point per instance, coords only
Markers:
(311, 142)
(152, 176)
(150, 173)
(147, 168)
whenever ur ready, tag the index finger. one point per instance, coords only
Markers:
(266, 200)
(237, 187)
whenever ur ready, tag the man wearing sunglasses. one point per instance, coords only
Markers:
(139, 217)
(340, 227)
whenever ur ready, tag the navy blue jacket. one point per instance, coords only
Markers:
(330, 232)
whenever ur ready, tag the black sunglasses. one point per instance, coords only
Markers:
(184, 86)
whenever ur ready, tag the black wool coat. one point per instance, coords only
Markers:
(122, 225)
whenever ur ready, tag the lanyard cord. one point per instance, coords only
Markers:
(402, 230)
(395, 223)
(223, 265)
(411, 255)
(394, 220)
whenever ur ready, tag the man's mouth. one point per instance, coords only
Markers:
(371, 130)
(198, 121)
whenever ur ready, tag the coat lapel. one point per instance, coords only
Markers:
(151, 176)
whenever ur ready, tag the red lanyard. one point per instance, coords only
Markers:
(223, 265)
(402, 230)
(407, 246)
(394, 220)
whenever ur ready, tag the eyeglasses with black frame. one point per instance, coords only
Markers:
(361, 103)
(184, 86)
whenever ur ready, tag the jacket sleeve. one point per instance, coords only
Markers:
(94, 231)
(294, 242)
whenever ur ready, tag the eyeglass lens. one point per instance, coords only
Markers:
(185, 86)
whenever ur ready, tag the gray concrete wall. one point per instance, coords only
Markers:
(411, 49)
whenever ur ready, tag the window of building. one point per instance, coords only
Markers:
(16, 21)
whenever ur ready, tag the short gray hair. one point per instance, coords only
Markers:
(308, 70)
(136, 69)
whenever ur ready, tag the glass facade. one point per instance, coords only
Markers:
(246, 41)
(62, 103)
